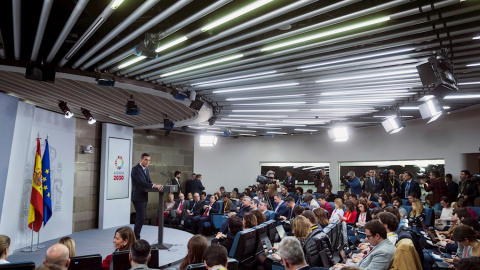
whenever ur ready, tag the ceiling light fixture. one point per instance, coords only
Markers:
(234, 78)
(131, 62)
(235, 14)
(271, 104)
(338, 134)
(469, 83)
(264, 97)
(476, 37)
(170, 44)
(88, 116)
(431, 109)
(255, 88)
(208, 140)
(221, 60)
(264, 127)
(235, 123)
(461, 96)
(276, 132)
(244, 134)
(244, 130)
(374, 75)
(246, 120)
(284, 125)
(355, 101)
(266, 111)
(116, 4)
(362, 92)
(416, 108)
(326, 33)
(356, 58)
(473, 65)
(303, 129)
(393, 124)
(258, 116)
(66, 111)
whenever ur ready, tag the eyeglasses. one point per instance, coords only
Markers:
(368, 236)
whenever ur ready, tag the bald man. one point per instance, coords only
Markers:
(57, 255)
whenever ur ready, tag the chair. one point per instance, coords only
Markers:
(438, 206)
(476, 210)
(93, 262)
(120, 260)
(408, 208)
(332, 204)
(270, 215)
(208, 224)
(232, 265)
(234, 204)
(271, 229)
(376, 203)
(18, 266)
(429, 216)
(316, 194)
(244, 246)
(404, 201)
(261, 231)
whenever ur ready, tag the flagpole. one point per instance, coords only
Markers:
(38, 238)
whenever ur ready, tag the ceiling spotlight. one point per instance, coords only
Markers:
(227, 132)
(185, 129)
(212, 120)
(167, 124)
(431, 109)
(88, 115)
(208, 140)
(439, 72)
(105, 80)
(131, 107)
(63, 106)
(338, 134)
(393, 124)
(179, 94)
(147, 46)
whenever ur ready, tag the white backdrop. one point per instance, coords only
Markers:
(30, 122)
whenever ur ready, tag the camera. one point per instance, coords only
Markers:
(264, 180)
(384, 175)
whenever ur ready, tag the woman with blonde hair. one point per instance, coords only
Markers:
(169, 204)
(338, 211)
(301, 228)
(196, 247)
(122, 240)
(4, 248)
(417, 215)
(70, 243)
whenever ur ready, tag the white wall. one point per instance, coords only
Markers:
(236, 162)
(29, 122)
(114, 212)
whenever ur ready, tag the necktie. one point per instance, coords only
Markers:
(206, 211)
(181, 205)
(406, 189)
(373, 181)
(289, 179)
(145, 171)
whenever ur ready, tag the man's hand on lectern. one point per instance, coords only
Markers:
(159, 187)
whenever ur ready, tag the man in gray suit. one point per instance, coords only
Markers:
(141, 181)
(381, 256)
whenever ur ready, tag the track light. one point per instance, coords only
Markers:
(439, 72)
(208, 140)
(167, 124)
(431, 109)
(338, 134)
(88, 115)
(393, 124)
(131, 107)
(147, 46)
(105, 80)
(63, 106)
(227, 132)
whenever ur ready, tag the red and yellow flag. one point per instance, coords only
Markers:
(35, 215)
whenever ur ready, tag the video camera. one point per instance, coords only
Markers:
(384, 175)
(264, 180)
(344, 180)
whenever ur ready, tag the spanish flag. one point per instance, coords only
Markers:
(35, 215)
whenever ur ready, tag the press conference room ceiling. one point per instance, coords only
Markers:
(271, 67)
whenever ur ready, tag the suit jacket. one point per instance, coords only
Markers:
(281, 210)
(290, 185)
(227, 206)
(196, 187)
(196, 208)
(373, 188)
(380, 258)
(178, 184)
(140, 182)
(327, 183)
(387, 184)
(452, 191)
(414, 187)
(215, 208)
(406, 256)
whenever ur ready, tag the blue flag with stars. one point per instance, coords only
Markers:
(47, 192)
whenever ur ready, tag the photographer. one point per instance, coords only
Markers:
(391, 184)
(271, 187)
(350, 180)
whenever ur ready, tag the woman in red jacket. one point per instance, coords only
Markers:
(350, 215)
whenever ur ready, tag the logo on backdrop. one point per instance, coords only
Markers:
(118, 175)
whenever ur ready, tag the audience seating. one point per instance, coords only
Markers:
(376, 203)
(208, 224)
(261, 231)
(404, 201)
(234, 205)
(332, 205)
(476, 210)
(271, 229)
(93, 262)
(18, 266)
(429, 216)
(232, 265)
(244, 246)
(270, 215)
(120, 260)
(316, 195)
(408, 208)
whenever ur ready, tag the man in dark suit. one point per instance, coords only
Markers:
(189, 183)
(177, 214)
(392, 185)
(205, 215)
(372, 184)
(196, 185)
(195, 208)
(409, 185)
(281, 209)
(452, 187)
(289, 182)
(141, 181)
(176, 180)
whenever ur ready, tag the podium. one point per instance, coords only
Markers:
(166, 189)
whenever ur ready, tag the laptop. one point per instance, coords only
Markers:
(281, 231)
(431, 233)
(268, 246)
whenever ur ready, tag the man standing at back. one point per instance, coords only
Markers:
(322, 182)
(196, 185)
(437, 186)
(141, 181)
(467, 190)
(289, 182)
(57, 255)
(139, 254)
(409, 185)
(188, 185)
(176, 180)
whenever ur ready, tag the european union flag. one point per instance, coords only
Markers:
(47, 191)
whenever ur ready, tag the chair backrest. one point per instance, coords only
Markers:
(429, 216)
(377, 204)
(221, 207)
(408, 208)
(404, 202)
(316, 194)
(439, 206)
(261, 231)
(340, 194)
(244, 246)
(271, 230)
(232, 265)
(18, 266)
(120, 260)
(332, 204)
(234, 204)
(93, 262)
(476, 210)
(270, 215)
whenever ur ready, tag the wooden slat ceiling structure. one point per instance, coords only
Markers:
(270, 66)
